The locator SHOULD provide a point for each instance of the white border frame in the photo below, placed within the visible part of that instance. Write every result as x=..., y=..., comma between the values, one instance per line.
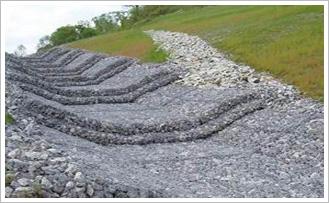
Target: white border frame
x=3, y=23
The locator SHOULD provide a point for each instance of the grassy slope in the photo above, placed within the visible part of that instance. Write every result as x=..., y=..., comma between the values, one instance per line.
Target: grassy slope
x=128, y=43
x=286, y=41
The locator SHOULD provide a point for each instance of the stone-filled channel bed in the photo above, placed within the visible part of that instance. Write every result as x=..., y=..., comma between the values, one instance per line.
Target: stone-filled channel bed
x=114, y=127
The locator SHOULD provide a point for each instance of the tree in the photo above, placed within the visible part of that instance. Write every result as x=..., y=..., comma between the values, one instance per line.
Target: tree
x=85, y=30
x=20, y=51
x=64, y=35
x=121, y=17
x=105, y=23
x=135, y=13
x=44, y=43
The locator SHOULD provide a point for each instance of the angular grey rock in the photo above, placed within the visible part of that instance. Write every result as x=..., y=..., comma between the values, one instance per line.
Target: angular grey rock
x=36, y=155
x=50, y=170
x=17, y=165
x=69, y=185
x=8, y=191
x=80, y=191
x=71, y=169
x=16, y=138
x=54, y=151
x=41, y=146
x=14, y=154
x=24, y=182
x=46, y=183
x=79, y=177
x=57, y=160
x=37, y=179
x=90, y=190
x=253, y=79
x=23, y=192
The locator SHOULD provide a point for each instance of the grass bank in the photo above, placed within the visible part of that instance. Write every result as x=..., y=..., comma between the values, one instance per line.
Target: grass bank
x=286, y=41
x=132, y=43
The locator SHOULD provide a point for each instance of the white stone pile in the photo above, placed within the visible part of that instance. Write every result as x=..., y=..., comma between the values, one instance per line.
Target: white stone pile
x=206, y=66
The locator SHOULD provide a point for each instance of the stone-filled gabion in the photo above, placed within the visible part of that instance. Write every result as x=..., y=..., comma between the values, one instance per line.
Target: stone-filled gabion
x=199, y=125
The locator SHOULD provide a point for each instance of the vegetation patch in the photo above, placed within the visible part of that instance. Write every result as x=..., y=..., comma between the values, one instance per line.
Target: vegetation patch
x=9, y=119
x=9, y=178
x=156, y=55
x=286, y=41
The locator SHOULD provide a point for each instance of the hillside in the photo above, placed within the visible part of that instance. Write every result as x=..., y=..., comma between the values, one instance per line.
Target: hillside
x=286, y=41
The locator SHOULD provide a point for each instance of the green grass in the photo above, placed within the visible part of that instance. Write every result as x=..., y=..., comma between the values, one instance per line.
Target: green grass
x=133, y=43
x=286, y=41
x=9, y=119
x=155, y=55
